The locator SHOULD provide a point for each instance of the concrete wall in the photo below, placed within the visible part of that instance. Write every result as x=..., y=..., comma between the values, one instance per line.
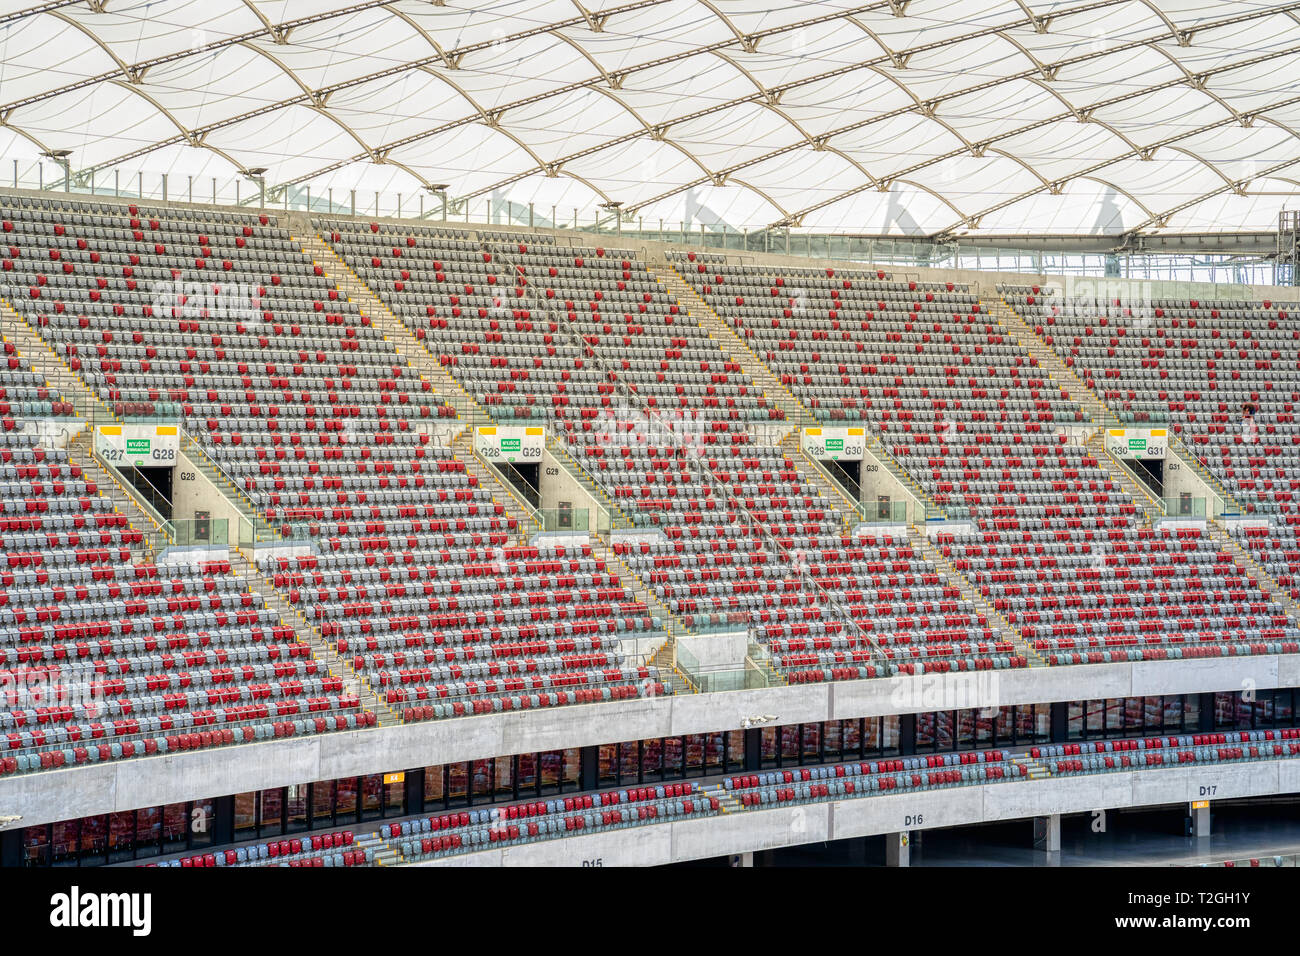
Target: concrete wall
x=878, y=481
x=149, y=781
x=717, y=650
x=558, y=485
x=198, y=493
x=706, y=837
x=1181, y=477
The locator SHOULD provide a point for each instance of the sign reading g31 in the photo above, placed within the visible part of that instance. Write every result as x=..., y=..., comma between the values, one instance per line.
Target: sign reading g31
x=1137, y=442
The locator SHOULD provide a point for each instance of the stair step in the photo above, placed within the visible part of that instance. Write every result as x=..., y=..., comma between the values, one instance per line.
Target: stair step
x=334, y=663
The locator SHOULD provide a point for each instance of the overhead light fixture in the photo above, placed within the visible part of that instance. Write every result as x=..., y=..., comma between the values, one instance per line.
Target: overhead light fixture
x=60, y=156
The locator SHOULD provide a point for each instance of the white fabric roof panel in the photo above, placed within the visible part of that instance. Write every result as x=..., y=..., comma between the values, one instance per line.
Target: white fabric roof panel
x=908, y=117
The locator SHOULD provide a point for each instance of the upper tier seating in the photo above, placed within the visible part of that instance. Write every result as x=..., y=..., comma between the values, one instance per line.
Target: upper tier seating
x=220, y=319
x=587, y=340
x=1057, y=548
x=105, y=655
x=1195, y=364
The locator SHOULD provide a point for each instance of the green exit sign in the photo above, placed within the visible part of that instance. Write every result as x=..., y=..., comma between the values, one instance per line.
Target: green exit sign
x=1137, y=444
x=137, y=446
x=510, y=444
x=835, y=444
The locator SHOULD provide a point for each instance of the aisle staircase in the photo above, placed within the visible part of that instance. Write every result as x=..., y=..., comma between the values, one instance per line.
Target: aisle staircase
x=954, y=578
x=46, y=362
x=411, y=350
x=1069, y=382
x=526, y=517
x=321, y=649
x=813, y=476
x=1244, y=560
x=665, y=656
x=1034, y=770
x=80, y=452
x=731, y=344
x=1148, y=504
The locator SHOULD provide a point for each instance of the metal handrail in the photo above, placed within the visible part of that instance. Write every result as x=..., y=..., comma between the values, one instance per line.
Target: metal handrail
x=707, y=477
x=533, y=512
x=807, y=418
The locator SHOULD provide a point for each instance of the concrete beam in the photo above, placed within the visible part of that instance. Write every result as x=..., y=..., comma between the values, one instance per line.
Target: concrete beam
x=755, y=830
x=172, y=778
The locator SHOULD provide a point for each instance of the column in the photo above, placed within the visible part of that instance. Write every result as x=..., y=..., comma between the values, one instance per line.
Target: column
x=898, y=849
x=907, y=735
x=589, y=768
x=1058, y=717
x=413, y=796
x=1047, y=833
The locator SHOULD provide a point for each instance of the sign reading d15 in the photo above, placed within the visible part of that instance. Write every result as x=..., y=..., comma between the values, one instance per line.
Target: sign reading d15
x=140, y=446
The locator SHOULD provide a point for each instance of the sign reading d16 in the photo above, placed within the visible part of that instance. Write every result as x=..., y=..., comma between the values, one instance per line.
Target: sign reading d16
x=840, y=444
x=140, y=446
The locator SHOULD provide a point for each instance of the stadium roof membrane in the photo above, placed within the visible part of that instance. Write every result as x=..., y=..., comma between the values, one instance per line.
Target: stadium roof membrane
x=933, y=118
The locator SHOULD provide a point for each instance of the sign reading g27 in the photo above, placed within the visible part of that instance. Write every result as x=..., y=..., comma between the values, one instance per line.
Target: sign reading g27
x=144, y=446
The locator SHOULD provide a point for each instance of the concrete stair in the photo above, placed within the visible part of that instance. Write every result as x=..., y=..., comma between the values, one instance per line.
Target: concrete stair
x=123, y=497
x=417, y=356
x=1069, y=382
x=1244, y=560
x=1060, y=374
x=321, y=649
x=814, y=477
x=515, y=506
x=731, y=344
x=1150, y=507
x=91, y=409
x=411, y=350
x=768, y=669
x=727, y=801
x=738, y=351
x=385, y=853
x=665, y=657
x=954, y=578
x=1034, y=769
x=46, y=361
